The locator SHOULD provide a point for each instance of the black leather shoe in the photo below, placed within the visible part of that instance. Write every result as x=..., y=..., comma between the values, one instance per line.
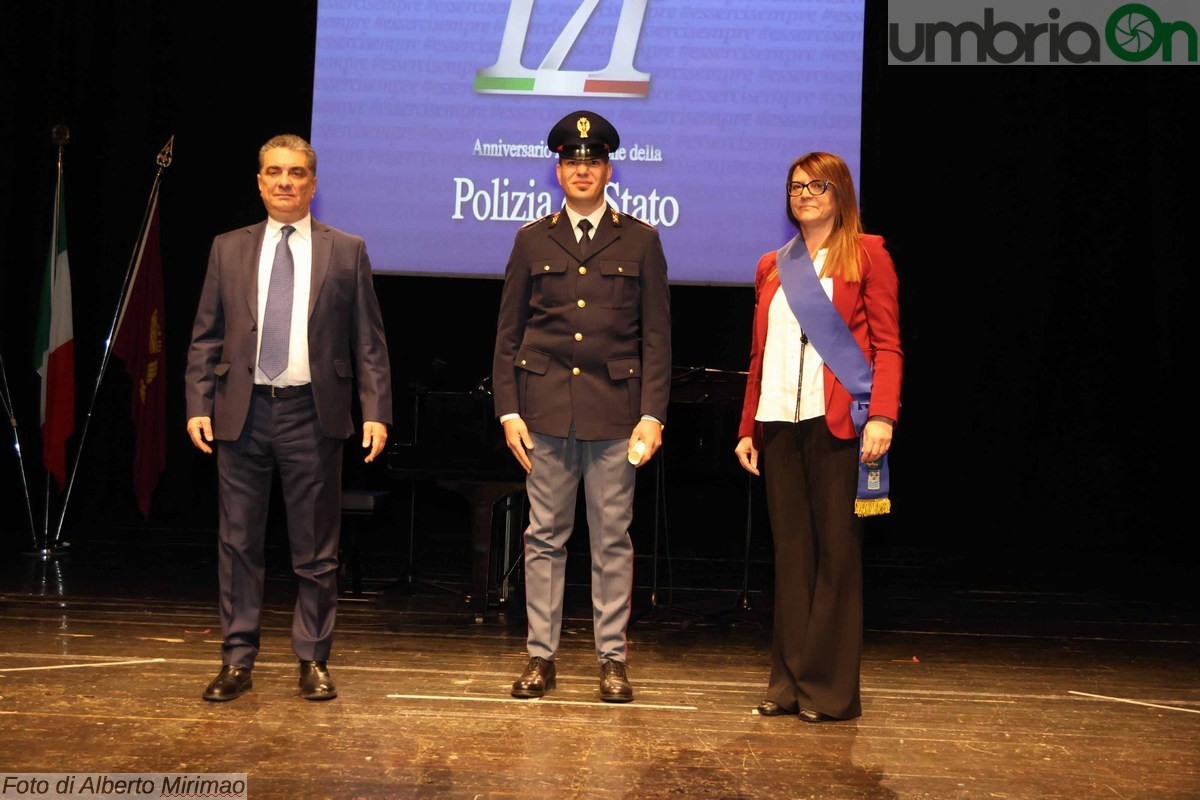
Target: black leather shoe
x=315, y=683
x=768, y=708
x=536, y=680
x=231, y=683
x=614, y=683
x=815, y=716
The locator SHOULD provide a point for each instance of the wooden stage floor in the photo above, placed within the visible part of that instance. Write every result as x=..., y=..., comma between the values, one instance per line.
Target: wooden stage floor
x=987, y=687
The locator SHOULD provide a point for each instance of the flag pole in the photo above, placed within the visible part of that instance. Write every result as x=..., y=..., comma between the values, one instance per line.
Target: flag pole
x=60, y=135
x=163, y=160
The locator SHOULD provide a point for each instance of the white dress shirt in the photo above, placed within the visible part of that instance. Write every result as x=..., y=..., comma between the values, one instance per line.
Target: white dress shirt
x=594, y=218
x=300, y=243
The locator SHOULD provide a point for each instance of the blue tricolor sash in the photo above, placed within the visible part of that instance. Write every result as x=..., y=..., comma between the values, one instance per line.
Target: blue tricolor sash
x=830, y=335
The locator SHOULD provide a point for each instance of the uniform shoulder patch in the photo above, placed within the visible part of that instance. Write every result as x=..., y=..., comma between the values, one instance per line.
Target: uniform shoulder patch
x=631, y=217
x=552, y=217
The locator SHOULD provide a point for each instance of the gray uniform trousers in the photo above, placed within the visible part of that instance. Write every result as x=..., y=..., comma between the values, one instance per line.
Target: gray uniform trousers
x=552, y=487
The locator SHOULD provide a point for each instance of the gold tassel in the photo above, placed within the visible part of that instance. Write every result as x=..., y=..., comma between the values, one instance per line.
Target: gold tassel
x=873, y=507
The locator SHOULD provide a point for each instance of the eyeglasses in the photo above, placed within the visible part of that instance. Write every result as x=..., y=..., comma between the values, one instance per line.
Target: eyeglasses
x=576, y=163
x=815, y=188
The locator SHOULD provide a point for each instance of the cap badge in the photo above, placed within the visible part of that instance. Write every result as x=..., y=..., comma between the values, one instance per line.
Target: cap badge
x=584, y=125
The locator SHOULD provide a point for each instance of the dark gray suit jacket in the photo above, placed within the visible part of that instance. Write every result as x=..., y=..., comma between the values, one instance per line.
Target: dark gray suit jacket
x=346, y=343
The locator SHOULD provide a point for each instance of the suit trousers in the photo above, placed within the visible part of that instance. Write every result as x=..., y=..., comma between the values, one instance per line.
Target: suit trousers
x=811, y=479
x=281, y=433
x=552, y=487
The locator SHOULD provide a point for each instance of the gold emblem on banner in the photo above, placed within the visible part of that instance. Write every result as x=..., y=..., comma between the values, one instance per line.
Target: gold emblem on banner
x=873, y=476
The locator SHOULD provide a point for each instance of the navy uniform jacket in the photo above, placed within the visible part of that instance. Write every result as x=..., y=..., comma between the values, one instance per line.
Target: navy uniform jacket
x=584, y=343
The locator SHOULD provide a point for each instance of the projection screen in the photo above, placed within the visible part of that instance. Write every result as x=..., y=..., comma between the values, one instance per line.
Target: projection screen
x=430, y=120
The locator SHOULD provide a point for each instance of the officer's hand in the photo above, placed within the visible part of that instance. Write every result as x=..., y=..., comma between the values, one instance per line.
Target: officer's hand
x=649, y=433
x=516, y=434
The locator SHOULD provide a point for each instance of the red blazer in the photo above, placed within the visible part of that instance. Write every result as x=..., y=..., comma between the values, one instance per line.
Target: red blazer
x=871, y=307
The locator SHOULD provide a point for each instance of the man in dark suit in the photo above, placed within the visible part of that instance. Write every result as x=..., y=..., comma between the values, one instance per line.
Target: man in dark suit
x=581, y=379
x=278, y=395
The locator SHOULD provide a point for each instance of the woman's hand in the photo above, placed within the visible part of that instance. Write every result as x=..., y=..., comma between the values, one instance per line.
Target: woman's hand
x=747, y=455
x=876, y=439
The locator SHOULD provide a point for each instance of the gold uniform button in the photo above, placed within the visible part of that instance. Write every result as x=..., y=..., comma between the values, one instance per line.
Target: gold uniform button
x=581, y=304
x=579, y=337
x=620, y=269
x=546, y=268
x=631, y=370
x=582, y=269
x=523, y=362
x=574, y=370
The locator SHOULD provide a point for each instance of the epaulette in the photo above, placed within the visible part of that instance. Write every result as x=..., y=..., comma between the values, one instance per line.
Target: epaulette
x=641, y=222
x=552, y=217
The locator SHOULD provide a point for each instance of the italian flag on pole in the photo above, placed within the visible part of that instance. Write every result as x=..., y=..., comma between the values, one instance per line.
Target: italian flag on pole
x=54, y=354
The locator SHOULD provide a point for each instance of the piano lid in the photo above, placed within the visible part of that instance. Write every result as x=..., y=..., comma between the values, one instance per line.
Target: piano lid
x=707, y=385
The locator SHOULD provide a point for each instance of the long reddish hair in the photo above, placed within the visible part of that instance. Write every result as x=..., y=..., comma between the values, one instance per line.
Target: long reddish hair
x=844, y=258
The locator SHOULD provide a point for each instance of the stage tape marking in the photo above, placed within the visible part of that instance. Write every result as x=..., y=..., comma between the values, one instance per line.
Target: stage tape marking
x=537, y=700
x=82, y=666
x=1135, y=702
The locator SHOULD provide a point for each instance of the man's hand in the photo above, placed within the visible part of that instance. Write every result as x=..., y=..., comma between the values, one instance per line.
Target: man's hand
x=516, y=434
x=374, y=437
x=200, y=430
x=649, y=432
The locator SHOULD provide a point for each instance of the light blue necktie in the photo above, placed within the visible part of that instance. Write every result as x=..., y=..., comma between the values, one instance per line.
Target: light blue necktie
x=277, y=318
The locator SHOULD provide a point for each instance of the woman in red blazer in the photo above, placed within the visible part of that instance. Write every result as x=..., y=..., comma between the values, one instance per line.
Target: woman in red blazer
x=796, y=416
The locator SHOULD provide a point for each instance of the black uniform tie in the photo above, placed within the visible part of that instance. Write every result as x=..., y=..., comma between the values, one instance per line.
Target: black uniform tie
x=584, y=240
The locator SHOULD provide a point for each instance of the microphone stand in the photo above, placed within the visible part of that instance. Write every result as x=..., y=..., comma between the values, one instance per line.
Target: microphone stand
x=6, y=400
x=660, y=504
x=163, y=160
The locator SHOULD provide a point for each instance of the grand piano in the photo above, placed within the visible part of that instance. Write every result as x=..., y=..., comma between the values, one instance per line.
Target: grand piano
x=457, y=444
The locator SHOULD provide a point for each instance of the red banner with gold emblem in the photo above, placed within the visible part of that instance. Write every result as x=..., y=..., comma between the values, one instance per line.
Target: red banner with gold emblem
x=139, y=344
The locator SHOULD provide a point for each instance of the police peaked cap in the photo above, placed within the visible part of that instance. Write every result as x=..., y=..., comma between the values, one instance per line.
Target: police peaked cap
x=583, y=134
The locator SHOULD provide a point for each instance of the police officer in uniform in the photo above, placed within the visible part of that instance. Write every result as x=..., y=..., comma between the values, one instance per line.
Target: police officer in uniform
x=581, y=378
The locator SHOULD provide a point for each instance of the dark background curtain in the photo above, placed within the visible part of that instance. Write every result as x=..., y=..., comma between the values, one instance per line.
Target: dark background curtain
x=1037, y=217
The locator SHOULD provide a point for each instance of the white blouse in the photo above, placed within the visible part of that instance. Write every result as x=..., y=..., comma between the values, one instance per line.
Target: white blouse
x=781, y=363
